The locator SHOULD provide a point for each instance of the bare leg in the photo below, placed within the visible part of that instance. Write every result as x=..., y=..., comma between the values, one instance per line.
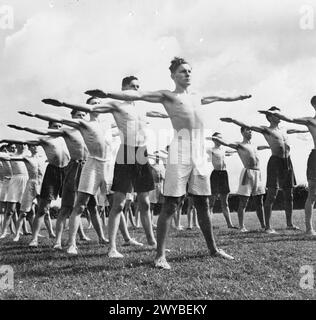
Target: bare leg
x=116, y=214
x=137, y=215
x=288, y=205
x=49, y=225
x=74, y=221
x=144, y=205
x=243, y=200
x=169, y=208
x=225, y=209
x=88, y=217
x=190, y=213
x=2, y=212
x=212, y=200
x=126, y=209
x=60, y=225
x=309, y=205
x=97, y=225
x=19, y=223
x=204, y=217
x=259, y=210
x=195, y=219
x=177, y=215
x=131, y=217
x=26, y=231
x=43, y=209
x=9, y=212
x=271, y=196
x=81, y=233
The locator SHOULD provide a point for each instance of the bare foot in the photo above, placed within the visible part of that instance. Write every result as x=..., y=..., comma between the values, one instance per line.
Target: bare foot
x=161, y=263
x=293, y=227
x=16, y=238
x=270, y=231
x=57, y=246
x=133, y=242
x=243, y=229
x=311, y=233
x=104, y=241
x=4, y=235
x=222, y=254
x=72, y=250
x=85, y=239
x=113, y=253
x=33, y=244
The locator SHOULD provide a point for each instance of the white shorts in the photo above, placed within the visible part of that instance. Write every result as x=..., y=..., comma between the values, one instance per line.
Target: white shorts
x=4, y=189
x=187, y=164
x=16, y=188
x=95, y=174
x=250, y=183
x=31, y=191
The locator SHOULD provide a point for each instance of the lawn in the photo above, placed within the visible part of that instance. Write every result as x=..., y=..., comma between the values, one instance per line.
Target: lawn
x=265, y=266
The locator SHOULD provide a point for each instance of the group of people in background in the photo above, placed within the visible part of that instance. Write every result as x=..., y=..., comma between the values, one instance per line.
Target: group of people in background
x=89, y=174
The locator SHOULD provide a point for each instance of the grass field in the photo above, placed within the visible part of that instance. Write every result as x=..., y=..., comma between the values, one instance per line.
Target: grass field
x=266, y=267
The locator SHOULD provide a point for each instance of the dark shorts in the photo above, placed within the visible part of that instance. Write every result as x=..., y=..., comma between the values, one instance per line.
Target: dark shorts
x=311, y=166
x=132, y=170
x=52, y=183
x=280, y=174
x=71, y=182
x=219, y=182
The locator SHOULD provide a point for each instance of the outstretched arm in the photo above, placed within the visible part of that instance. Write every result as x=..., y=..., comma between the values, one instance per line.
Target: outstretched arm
x=291, y=131
x=156, y=114
x=211, y=99
x=242, y=124
x=263, y=147
x=15, y=141
x=35, y=131
x=303, y=121
x=225, y=143
x=130, y=95
x=101, y=108
x=9, y=158
x=44, y=117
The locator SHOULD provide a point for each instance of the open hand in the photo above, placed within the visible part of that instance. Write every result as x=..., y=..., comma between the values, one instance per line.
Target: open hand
x=226, y=119
x=13, y=126
x=27, y=113
x=53, y=102
x=245, y=97
x=96, y=93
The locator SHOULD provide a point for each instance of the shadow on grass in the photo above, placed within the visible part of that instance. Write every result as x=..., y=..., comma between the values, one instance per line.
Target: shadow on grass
x=87, y=266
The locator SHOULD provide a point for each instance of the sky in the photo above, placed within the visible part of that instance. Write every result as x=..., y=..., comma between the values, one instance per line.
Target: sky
x=62, y=48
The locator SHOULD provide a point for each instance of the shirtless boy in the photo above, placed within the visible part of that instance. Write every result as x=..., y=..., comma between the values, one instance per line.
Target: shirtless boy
x=183, y=109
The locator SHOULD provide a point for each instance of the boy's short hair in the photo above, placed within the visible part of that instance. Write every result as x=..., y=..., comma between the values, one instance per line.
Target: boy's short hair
x=127, y=80
x=175, y=63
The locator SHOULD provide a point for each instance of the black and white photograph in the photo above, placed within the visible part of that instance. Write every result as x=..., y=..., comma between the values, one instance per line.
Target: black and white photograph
x=157, y=155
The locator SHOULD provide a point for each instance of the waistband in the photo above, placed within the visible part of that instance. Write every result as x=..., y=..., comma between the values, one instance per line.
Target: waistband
x=77, y=161
x=98, y=159
x=252, y=169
